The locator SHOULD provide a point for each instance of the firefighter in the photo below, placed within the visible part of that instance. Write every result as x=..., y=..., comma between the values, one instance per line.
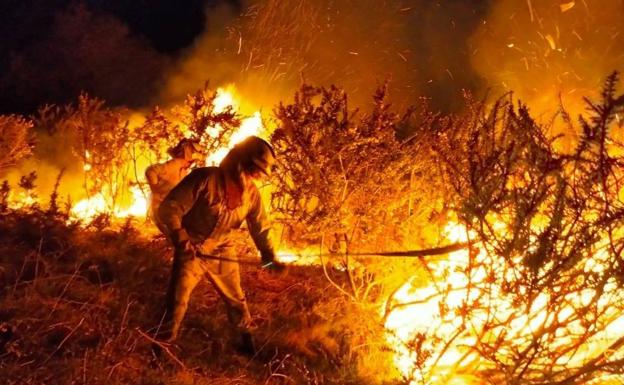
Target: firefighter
x=200, y=214
x=163, y=177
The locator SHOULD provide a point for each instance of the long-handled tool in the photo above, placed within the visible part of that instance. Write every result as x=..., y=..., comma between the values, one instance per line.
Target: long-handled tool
x=406, y=253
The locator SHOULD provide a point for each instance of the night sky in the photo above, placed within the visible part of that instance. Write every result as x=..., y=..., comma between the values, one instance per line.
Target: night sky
x=115, y=49
x=140, y=53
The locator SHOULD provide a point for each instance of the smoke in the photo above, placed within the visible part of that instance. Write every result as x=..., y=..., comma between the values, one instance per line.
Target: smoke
x=54, y=52
x=51, y=155
x=208, y=59
x=419, y=47
x=543, y=49
x=431, y=49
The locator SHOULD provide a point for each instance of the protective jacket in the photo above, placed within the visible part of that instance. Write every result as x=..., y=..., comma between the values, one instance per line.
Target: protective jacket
x=198, y=206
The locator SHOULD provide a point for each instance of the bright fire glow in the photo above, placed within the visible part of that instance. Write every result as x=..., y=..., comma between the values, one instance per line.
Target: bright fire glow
x=426, y=313
x=87, y=166
x=302, y=257
x=89, y=208
x=251, y=125
x=101, y=203
x=21, y=200
x=98, y=204
x=139, y=205
x=418, y=312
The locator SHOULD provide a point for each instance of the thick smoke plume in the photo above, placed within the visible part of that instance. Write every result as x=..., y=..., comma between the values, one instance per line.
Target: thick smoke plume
x=543, y=49
x=419, y=47
x=538, y=49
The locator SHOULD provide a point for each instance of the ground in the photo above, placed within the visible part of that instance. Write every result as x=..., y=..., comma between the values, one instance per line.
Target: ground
x=80, y=305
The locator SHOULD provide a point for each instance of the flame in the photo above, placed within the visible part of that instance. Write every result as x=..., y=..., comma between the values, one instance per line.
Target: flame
x=89, y=208
x=87, y=166
x=225, y=98
x=133, y=201
x=137, y=204
x=300, y=257
x=21, y=200
x=417, y=311
x=251, y=125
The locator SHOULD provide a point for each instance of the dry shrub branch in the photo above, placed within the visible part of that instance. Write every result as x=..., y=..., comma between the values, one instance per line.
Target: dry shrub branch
x=16, y=140
x=352, y=181
x=344, y=177
x=543, y=289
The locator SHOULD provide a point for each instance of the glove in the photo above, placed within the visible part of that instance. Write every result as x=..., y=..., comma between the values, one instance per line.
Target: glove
x=179, y=238
x=274, y=267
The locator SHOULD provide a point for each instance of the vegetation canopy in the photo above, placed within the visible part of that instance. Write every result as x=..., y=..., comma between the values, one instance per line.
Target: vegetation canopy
x=535, y=298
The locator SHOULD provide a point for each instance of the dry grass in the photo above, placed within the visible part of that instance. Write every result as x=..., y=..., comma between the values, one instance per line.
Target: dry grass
x=79, y=305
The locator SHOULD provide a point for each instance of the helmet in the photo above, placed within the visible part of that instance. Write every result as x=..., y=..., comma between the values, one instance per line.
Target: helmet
x=256, y=154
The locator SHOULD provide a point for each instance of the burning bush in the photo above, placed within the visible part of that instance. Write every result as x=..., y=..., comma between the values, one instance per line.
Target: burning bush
x=538, y=297
x=101, y=136
x=110, y=148
x=344, y=174
x=348, y=183
x=535, y=299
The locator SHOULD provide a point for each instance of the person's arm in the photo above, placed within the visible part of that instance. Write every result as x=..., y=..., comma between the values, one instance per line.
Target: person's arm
x=179, y=201
x=260, y=229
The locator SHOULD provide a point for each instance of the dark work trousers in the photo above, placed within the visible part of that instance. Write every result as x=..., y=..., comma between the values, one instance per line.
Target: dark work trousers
x=218, y=263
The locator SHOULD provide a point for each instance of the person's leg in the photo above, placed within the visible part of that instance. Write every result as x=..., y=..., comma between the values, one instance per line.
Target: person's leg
x=227, y=283
x=185, y=274
x=226, y=280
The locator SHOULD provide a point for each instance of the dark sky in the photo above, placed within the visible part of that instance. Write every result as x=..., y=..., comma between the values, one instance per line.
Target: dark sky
x=169, y=25
x=116, y=49
x=140, y=52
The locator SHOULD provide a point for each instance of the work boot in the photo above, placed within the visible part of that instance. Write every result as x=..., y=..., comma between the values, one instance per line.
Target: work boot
x=246, y=346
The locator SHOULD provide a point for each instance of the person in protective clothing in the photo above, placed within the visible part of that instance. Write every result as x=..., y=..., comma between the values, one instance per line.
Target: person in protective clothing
x=199, y=215
x=163, y=177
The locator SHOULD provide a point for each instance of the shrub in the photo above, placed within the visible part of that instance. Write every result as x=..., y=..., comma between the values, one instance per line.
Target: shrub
x=16, y=140
x=542, y=288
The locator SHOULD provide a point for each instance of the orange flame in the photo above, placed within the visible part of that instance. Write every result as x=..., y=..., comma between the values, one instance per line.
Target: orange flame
x=417, y=310
x=100, y=203
x=251, y=125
